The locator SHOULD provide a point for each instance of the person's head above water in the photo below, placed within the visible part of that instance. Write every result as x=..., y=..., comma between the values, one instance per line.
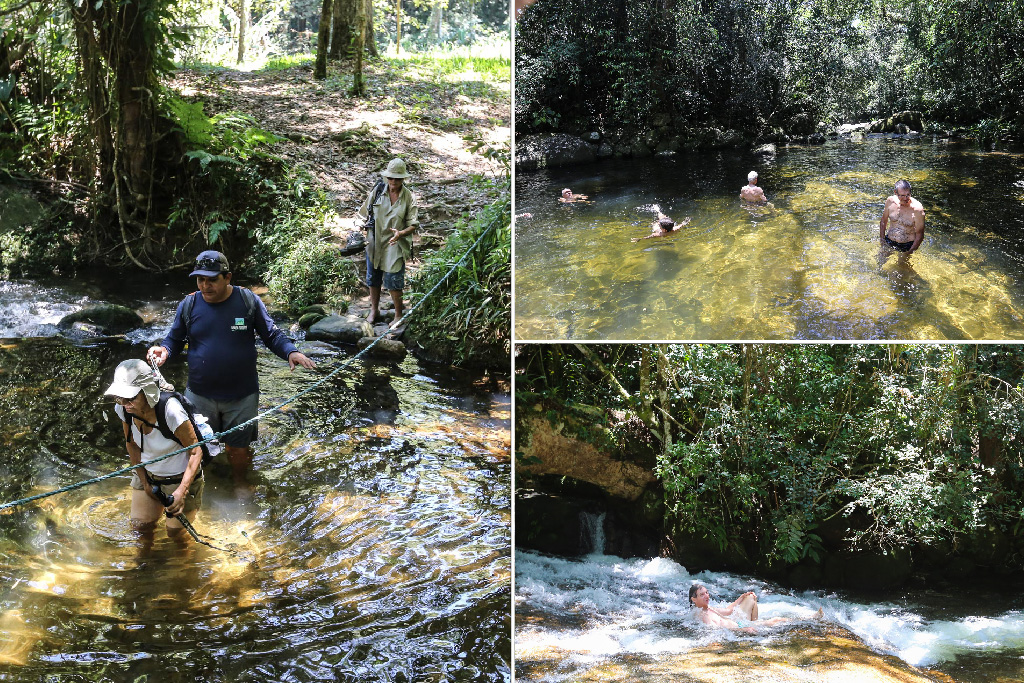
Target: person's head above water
x=699, y=596
x=567, y=193
x=666, y=224
x=752, y=177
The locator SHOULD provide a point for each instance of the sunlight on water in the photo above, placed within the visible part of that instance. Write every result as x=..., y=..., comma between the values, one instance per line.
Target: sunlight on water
x=807, y=267
x=587, y=612
x=375, y=544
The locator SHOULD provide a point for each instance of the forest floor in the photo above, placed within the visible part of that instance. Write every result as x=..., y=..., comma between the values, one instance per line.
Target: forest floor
x=428, y=111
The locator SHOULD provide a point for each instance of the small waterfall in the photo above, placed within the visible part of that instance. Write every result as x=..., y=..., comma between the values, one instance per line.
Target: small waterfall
x=592, y=533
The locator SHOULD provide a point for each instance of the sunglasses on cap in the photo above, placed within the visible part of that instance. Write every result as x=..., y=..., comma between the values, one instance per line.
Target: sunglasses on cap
x=208, y=263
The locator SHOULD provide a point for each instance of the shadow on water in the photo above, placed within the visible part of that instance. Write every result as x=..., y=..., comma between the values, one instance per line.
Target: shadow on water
x=806, y=268
x=376, y=545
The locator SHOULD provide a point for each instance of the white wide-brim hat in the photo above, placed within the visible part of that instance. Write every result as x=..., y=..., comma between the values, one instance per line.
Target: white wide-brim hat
x=395, y=169
x=131, y=377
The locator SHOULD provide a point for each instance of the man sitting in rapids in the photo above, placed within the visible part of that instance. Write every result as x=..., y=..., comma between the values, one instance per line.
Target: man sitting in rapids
x=743, y=611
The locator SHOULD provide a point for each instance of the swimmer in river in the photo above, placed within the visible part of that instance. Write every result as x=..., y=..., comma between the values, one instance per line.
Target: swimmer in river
x=743, y=609
x=902, y=225
x=568, y=197
x=661, y=227
x=751, y=193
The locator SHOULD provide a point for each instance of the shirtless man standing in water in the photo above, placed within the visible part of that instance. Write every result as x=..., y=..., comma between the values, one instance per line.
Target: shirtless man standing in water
x=904, y=217
x=751, y=192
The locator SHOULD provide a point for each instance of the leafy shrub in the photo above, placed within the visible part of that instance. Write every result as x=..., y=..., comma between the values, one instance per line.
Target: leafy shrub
x=311, y=273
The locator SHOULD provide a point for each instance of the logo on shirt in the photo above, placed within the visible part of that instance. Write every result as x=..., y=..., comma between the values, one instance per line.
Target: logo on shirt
x=239, y=325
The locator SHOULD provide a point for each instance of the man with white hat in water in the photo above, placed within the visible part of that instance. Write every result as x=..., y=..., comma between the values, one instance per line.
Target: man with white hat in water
x=389, y=225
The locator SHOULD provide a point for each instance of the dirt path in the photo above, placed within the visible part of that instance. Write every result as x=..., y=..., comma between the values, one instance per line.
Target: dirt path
x=344, y=142
x=414, y=110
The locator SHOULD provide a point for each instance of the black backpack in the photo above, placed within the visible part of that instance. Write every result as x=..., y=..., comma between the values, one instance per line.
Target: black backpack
x=371, y=220
x=161, y=422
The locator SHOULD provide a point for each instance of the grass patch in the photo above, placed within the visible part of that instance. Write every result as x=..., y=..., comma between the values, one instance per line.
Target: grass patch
x=283, y=62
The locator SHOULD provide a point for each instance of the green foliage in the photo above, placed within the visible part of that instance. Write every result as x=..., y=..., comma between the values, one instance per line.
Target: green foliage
x=794, y=450
x=759, y=65
x=311, y=273
x=469, y=315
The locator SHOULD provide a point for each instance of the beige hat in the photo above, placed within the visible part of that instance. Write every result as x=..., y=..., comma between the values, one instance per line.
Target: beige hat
x=395, y=169
x=131, y=377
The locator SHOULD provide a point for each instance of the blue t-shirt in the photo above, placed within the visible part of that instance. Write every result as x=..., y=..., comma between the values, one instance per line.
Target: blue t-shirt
x=222, y=345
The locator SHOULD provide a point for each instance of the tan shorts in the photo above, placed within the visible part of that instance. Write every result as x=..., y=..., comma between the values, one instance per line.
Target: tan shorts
x=194, y=497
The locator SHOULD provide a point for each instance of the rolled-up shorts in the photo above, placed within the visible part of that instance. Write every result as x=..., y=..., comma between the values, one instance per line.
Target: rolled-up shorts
x=899, y=246
x=194, y=497
x=224, y=415
x=375, y=277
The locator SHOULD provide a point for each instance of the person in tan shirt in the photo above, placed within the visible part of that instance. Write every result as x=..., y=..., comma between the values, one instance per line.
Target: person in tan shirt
x=389, y=238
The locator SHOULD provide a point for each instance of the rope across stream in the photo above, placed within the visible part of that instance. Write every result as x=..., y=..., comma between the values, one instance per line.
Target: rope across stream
x=291, y=399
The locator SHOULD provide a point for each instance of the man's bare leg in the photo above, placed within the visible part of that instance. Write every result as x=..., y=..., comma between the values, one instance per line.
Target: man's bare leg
x=241, y=461
x=396, y=296
x=374, y=305
x=748, y=605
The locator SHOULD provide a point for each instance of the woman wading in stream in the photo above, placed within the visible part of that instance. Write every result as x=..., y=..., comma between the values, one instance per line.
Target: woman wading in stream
x=137, y=393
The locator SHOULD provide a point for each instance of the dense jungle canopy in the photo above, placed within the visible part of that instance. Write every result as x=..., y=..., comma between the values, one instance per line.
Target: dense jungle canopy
x=766, y=66
x=786, y=452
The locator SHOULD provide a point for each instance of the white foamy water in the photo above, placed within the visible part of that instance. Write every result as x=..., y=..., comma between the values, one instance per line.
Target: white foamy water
x=606, y=606
x=29, y=310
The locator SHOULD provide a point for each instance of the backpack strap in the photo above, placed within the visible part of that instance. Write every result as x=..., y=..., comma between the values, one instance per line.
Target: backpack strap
x=247, y=297
x=371, y=220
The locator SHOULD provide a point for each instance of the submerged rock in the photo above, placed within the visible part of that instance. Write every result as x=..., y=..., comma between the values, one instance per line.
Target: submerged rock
x=102, y=319
x=335, y=328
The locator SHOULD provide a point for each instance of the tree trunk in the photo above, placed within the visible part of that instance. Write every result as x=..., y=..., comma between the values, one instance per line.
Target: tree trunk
x=435, y=23
x=360, y=32
x=398, y=27
x=371, y=37
x=320, y=70
x=243, y=26
x=345, y=12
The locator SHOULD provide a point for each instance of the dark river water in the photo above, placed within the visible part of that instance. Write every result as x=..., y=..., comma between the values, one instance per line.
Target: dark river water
x=375, y=545
x=807, y=268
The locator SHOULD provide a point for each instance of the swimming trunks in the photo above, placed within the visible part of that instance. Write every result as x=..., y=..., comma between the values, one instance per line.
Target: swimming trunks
x=899, y=246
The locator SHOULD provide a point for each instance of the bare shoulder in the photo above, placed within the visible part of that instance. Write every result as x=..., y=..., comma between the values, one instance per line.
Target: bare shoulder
x=916, y=205
x=890, y=200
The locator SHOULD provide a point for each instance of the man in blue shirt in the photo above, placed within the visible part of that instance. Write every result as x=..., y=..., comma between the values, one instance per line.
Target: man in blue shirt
x=220, y=322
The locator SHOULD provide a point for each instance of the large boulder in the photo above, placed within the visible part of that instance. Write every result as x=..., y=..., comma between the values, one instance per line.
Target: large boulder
x=534, y=152
x=103, y=318
x=336, y=328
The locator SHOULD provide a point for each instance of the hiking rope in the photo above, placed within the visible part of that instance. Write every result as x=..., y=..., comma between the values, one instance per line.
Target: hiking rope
x=344, y=364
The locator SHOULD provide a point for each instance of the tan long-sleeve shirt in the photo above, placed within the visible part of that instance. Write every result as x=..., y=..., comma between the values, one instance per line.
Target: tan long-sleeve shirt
x=401, y=215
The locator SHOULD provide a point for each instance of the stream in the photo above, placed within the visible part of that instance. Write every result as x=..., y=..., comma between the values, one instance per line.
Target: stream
x=375, y=544
x=602, y=608
x=806, y=268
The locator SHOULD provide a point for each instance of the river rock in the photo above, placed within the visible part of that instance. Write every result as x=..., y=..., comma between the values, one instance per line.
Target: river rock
x=386, y=348
x=816, y=138
x=335, y=328
x=605, y=151
x=639, y=149
x=593, y=136
x=103, y=319
x=535, y=152
x=309, y=319
x=850, y=128
x=766, y=149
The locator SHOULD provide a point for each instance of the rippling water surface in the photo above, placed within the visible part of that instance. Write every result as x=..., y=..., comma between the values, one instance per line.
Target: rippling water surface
x=375, y=545
x=808, y=268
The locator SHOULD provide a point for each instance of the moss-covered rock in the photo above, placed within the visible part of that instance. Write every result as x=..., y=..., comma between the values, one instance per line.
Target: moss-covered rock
x=106, y=319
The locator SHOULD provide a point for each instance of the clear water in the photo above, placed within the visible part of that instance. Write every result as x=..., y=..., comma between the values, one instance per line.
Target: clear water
x=375, y=546
x=808, y=268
